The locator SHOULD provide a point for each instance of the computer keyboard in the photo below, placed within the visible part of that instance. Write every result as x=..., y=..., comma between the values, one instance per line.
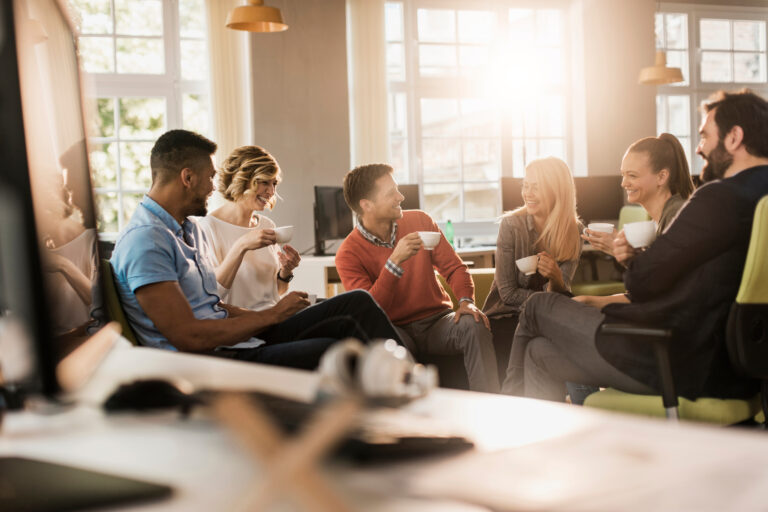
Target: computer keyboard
x=381, y=435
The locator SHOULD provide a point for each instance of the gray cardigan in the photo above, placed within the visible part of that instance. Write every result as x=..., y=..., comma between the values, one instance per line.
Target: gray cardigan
x=517, y=236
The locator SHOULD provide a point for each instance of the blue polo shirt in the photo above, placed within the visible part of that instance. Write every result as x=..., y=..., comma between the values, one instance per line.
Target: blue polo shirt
x=154, y=248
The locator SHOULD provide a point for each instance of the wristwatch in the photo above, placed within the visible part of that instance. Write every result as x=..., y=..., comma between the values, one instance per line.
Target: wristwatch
x=284, y=279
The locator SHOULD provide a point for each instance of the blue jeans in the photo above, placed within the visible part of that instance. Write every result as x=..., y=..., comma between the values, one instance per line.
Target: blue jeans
x=301, y=340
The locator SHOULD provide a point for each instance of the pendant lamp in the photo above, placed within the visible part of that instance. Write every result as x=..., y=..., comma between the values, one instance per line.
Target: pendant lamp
x=256, y=17
x=660, y=73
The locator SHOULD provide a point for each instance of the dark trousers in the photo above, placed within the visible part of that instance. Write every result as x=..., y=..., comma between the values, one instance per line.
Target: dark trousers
x=301, y=340
x=503, y=330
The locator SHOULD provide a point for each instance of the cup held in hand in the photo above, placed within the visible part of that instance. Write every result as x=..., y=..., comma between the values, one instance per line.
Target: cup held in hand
x=640, y=234
x=528, y=265
x=283, y=234
x=430, y=239
x=601, y=227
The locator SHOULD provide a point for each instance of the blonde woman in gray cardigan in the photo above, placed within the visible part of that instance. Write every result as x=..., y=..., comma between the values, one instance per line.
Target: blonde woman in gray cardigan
x=548, y=226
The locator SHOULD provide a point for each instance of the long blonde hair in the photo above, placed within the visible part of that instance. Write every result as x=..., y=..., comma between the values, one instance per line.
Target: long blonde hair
x=560, y=236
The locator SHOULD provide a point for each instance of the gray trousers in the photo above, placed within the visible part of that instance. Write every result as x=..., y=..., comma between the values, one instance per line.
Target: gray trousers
x=438, y=334
x=554, y=343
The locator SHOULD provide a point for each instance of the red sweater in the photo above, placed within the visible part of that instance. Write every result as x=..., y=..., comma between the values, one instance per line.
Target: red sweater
x=418, y=293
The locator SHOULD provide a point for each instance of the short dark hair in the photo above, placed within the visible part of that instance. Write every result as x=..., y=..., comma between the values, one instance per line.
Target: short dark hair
x=360, y=182
x=746, y=109
x=176, y=150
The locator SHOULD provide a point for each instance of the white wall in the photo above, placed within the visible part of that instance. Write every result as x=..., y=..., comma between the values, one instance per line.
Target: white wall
x=301, y=111
x=300, y=105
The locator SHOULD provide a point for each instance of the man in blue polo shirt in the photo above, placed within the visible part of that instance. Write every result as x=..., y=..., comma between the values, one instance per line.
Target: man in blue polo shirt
x=167, y=284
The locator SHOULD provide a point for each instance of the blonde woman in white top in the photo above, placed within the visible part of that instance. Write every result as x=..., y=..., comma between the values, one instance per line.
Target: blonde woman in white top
x=251, y=269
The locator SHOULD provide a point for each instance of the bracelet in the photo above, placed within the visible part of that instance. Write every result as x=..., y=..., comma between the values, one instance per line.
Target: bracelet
x=284, y=279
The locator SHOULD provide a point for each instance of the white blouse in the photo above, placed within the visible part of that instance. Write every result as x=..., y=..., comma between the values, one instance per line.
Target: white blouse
x=255, y=284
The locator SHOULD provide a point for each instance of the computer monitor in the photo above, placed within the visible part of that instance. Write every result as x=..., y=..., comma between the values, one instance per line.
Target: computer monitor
x=411, y=194
x=598, y=197
x=49, y=269
x=511, y=193
x=333, y=218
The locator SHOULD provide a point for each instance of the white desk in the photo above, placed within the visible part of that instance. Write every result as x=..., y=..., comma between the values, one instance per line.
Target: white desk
x=318, y=274
x=553, y=456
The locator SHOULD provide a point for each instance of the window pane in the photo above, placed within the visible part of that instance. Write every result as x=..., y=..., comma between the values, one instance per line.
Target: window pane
x=531, y=151
x=749, y=35
x=130, y=202
x=551, y=116
x=140, y=56
x=96, y=54
x=102, y=122
x=521, y=26
x=679, y=59
x=479, y=118
x=679, y=115
x=442, y=201
x=518, y=158
x=440, y=159
x=398, y=158
x=106, y=205
x=677, y=31
x=659, y=29
x=481, y=160
x=142, y=118
x=715, y=34
x=549, y=30
x=749, y=67
x=103, y=159
x=393, y=19
x=661, y=114
x=548, y=66
x=439, y=117
x=192, y=18
x=476, y=26
x=437, y=60
x=93, y=16
x=716, y=67
x=481, y=200
x=552, y=147
x=436, y=25
x=686, y=143
x=395, y=61
x=142, y=18
x=473, y=59
x=195, y=112
x=194, y=60
x=134, y=165
x=398, y=121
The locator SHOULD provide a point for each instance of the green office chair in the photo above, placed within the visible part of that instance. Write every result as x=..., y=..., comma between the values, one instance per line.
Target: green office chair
x=112, y=302
x=628, y=213
x=746, y=339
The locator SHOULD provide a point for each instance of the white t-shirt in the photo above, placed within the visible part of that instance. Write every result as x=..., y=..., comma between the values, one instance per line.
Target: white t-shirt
x=255, y=284
x=69, y=311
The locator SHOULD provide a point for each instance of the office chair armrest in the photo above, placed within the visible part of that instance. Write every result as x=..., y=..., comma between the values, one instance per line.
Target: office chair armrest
x=659, y=338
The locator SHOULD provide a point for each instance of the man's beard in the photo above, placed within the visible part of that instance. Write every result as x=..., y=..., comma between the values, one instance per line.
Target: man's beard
x=718, y=162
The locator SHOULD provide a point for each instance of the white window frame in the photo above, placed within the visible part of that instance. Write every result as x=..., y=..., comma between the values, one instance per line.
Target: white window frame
x=416, y=87
x=699, y=91
x=169, y=85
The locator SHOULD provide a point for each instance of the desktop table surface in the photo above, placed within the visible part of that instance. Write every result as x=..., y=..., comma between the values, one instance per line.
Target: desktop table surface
x=530, y=454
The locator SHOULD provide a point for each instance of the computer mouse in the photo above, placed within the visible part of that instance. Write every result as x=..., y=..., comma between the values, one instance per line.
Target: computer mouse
x=151, y=394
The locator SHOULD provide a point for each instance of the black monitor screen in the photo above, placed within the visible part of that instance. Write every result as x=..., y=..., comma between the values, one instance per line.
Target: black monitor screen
x=333, y=218
x=49, y=262
x=599, y=197
x=411, y=194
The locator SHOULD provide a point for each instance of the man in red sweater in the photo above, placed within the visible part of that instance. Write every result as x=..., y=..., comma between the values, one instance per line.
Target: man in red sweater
x=385, y=256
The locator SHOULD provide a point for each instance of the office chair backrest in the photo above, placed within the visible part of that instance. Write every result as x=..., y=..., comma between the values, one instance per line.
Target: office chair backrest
x=632, y=213
x=747, y=336
x=112, y=301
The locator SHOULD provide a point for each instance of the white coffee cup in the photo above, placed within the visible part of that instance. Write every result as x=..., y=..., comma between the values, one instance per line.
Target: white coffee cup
x=284, y=234
x=640, y=234
x=312, y=298
x=528, y=265
x=430, y=239
x=601, y=227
